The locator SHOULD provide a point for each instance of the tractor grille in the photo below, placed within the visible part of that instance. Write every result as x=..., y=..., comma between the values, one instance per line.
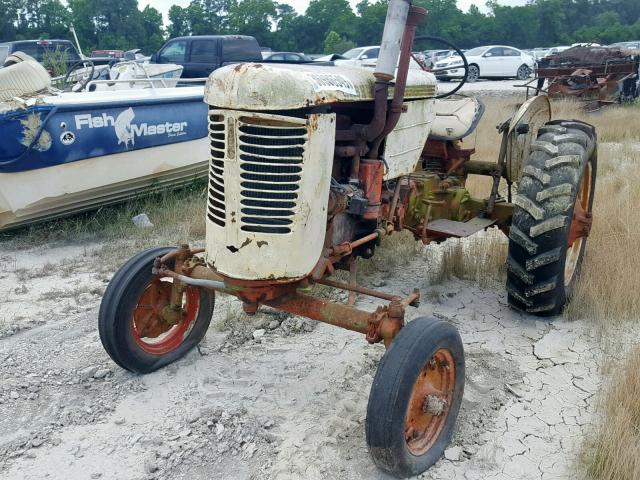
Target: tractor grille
x=216, y=210
x=270, y=155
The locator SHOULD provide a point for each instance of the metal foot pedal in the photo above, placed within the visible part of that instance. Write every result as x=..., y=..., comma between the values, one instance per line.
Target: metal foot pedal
x=451, y=228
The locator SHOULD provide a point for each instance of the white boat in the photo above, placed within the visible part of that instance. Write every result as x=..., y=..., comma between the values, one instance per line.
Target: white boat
x=64, y=152
x=121, y=76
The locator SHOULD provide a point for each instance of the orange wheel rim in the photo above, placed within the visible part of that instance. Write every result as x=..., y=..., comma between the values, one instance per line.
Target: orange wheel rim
x=150, y=332
x=430, y=402
x=580, y=225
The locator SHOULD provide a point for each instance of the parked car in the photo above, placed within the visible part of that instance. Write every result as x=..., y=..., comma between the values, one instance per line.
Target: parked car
x=38, y=49
x=491, y=61
x=200, y=55
x=362, y=57
x=628, y=45
x=286, y=57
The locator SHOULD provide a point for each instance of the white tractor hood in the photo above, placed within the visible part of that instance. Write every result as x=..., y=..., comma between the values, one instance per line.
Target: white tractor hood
x=261, y=86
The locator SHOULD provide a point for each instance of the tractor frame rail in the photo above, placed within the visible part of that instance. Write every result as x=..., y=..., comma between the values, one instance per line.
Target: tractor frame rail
x=383, y=324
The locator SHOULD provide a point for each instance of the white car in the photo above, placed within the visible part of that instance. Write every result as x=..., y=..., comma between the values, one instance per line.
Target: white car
x=492, y=61
x=366, y=57
x=361, y=56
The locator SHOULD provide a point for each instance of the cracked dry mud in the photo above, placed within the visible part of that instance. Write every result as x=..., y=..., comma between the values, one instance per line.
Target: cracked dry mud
x=290, y=404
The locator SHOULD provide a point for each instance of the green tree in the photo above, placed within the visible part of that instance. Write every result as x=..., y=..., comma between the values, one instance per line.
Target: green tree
x=8, y=20
x=331, y=42
x=179, y=25
x=208, y=17
x=323, y=16
x=153, y=31
x=252, y=17
x=334, y=43
x=370, y=22
x=284, y=36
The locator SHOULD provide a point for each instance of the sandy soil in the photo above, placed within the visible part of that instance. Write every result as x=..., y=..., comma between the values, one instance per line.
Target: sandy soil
x=288, y=405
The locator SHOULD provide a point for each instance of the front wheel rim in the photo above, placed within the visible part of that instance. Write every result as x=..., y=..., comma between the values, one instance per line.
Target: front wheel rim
x=580, y=226
x=430, y=402
x=148, y=329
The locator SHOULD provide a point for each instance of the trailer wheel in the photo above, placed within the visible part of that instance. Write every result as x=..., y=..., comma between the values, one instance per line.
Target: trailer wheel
x=131, y=329
x=415, y=397
x=552, y=217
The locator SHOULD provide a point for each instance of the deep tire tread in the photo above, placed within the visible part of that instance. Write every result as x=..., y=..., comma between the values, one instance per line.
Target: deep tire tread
x=544, y=207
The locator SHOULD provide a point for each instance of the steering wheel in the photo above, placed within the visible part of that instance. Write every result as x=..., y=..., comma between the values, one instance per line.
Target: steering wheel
x=80, y=81
x=465, y=64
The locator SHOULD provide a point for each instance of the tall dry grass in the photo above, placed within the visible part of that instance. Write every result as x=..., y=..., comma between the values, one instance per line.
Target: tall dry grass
x=611, y=450
x=610, y=276
x=480, y=258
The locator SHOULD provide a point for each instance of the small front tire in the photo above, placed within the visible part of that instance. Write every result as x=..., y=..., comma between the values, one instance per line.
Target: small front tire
x=415, y=397
x=131, y=329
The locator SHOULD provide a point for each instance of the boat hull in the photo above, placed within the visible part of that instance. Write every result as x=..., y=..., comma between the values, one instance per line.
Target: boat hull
x=70, y=153
x=43, y=194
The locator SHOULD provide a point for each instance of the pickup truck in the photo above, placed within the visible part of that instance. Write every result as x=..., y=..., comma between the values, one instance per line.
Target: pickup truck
x=38, y=48
x=202, y=54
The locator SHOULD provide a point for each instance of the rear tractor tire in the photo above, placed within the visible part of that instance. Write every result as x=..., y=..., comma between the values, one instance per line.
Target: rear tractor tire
x=415, y=397
x=131, y=329
x=552, y=217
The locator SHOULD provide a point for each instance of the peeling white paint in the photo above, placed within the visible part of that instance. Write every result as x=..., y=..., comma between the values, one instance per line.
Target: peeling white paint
x=256, y=86
x=258, y=255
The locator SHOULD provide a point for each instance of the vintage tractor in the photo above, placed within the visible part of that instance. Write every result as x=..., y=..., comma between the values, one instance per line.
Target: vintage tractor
x=312, y=167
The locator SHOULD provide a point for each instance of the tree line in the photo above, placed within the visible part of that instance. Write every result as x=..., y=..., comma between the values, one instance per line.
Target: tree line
x=329, y=26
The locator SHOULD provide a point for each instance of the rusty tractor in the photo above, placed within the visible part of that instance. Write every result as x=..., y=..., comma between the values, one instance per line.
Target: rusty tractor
x=595, y=75
x=312, y=167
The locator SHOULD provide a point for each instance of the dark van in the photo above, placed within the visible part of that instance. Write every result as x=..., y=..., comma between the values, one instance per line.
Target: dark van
x=200, y=55
x=38, y=48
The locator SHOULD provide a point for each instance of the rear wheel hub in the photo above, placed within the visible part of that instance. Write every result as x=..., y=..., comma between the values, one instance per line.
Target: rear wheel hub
x=580, y=225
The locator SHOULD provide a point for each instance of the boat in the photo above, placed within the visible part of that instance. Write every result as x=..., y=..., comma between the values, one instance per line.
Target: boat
x=120, y=75
x=67, y=152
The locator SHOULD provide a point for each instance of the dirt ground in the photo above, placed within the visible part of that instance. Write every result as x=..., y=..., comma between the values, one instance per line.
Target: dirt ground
x=288, y=405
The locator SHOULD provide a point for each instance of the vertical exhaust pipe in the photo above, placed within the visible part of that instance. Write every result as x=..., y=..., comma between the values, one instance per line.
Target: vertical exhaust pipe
x=416, y=15
x=392, y=35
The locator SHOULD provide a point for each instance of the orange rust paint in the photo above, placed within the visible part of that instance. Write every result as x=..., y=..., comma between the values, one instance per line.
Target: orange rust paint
x=371, y=173
x=582, y=218
x=430, y=400
x=150, y=332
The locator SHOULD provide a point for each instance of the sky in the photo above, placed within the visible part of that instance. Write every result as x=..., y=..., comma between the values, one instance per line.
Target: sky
x=301, y=5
